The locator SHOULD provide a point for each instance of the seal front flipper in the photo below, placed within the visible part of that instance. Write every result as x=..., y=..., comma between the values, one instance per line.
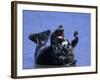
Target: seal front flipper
x=76, y=39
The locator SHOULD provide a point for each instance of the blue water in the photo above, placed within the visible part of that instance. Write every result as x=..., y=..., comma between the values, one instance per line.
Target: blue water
x=37, y=21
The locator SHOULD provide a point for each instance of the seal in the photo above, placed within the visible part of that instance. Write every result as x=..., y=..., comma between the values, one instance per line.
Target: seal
x=61, y=50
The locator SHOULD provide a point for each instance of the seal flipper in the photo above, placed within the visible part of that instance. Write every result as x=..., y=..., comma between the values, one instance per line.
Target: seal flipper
x=75, y=41
x=40, y=38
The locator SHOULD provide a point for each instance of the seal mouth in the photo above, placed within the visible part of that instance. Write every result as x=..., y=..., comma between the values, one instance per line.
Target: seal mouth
x=60, y=32
x=60, y=35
